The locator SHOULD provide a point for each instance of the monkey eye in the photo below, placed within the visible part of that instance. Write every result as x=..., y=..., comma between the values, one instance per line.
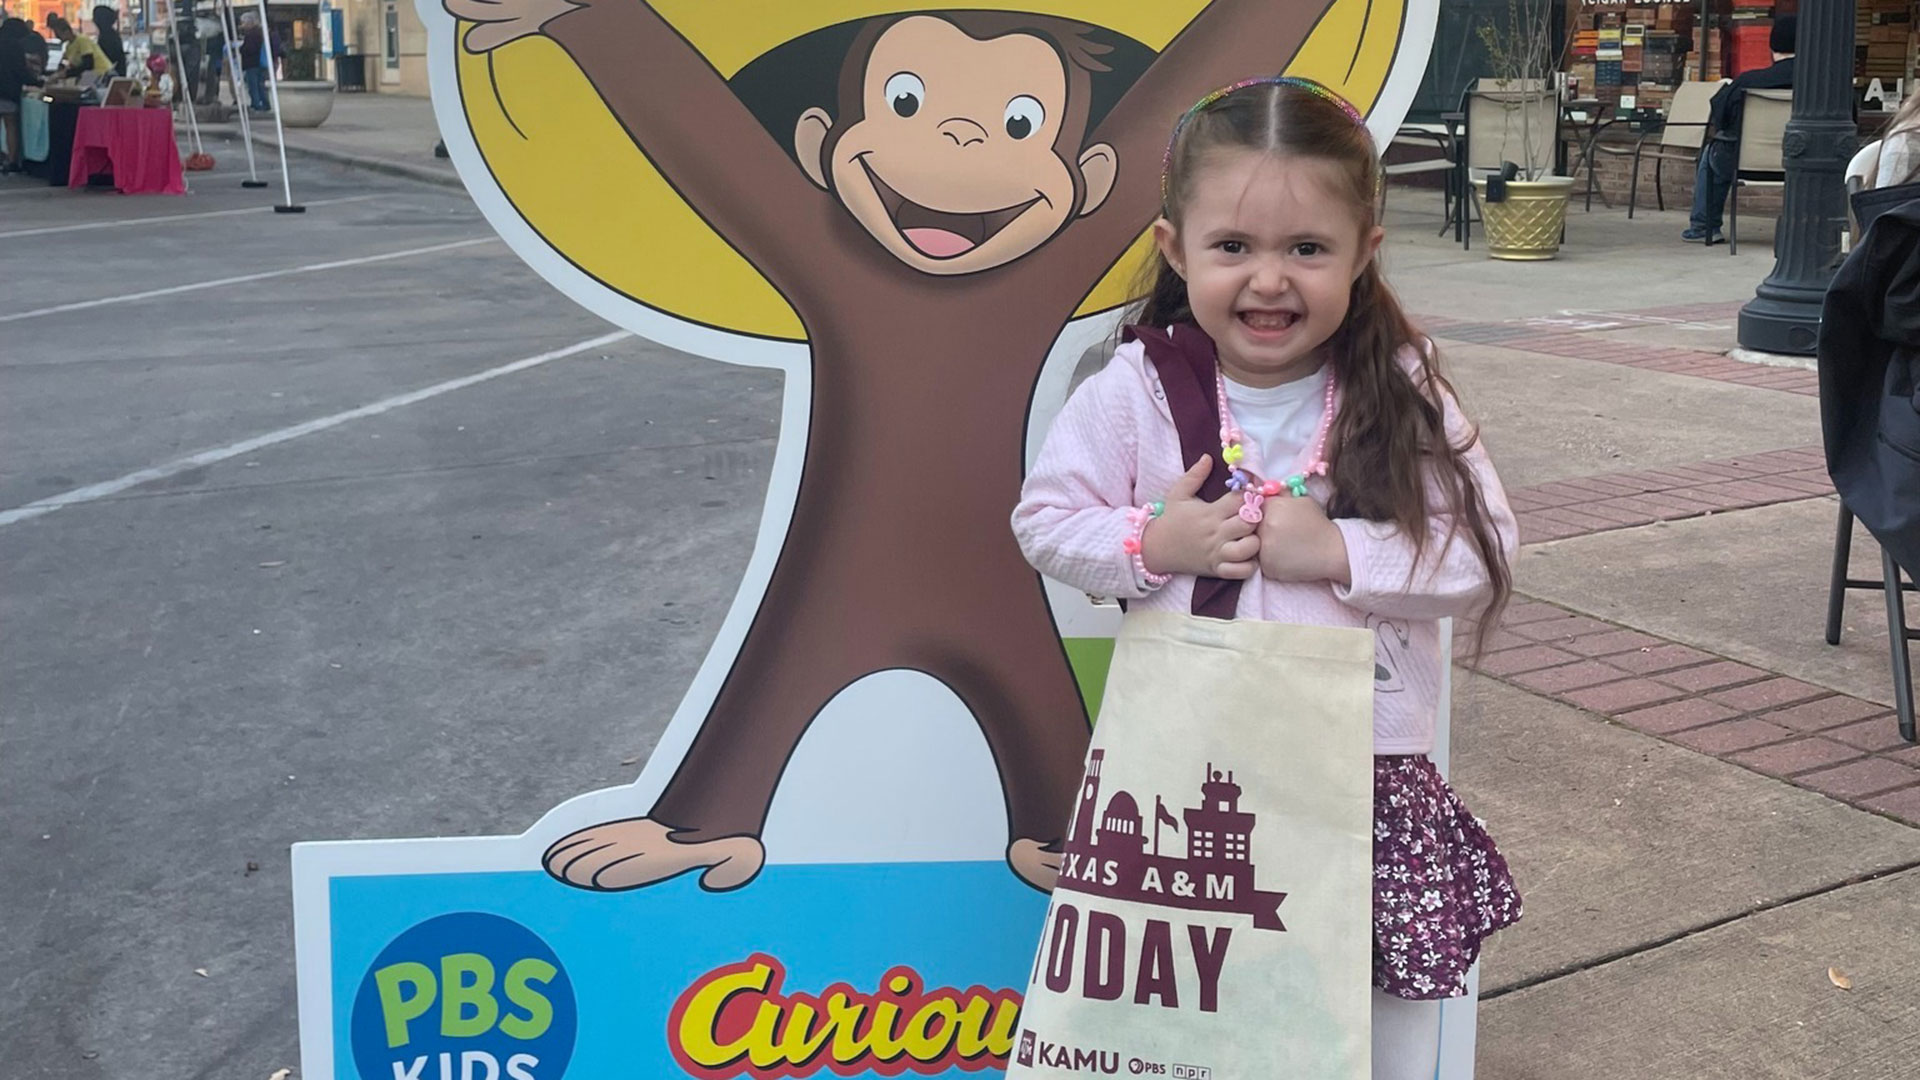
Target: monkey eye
x=905, y=92
x=1024, y=116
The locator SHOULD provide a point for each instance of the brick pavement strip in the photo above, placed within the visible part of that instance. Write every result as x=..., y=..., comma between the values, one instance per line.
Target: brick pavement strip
x=1595, y=346
x=1797, y=756
x=1592, y=504
x=1841, y=746
x=1868, y=776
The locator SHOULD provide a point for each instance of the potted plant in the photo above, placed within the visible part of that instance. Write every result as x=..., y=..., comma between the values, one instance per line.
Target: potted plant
x=306, y=100
x=1526, y=210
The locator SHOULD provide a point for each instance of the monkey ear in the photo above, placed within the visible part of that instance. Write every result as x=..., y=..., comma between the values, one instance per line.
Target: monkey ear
x=1101, y=166
x=810, y=144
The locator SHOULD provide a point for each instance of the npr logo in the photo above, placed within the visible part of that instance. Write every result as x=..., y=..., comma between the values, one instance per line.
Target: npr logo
x=1191, y=1072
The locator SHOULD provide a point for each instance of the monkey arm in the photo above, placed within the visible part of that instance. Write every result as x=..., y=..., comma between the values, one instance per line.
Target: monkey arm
x=685, y=118
x=1229, y=41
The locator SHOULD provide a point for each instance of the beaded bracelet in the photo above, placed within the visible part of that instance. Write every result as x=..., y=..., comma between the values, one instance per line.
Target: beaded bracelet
x=1137, y=518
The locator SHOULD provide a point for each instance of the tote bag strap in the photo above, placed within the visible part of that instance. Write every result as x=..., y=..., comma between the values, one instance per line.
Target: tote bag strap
x=1182, y=355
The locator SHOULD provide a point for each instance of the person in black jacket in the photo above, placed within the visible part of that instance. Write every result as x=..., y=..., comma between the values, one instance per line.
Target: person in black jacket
x=106, y=23
x=16, y=74
x=1869, y=362
x=1714, y=176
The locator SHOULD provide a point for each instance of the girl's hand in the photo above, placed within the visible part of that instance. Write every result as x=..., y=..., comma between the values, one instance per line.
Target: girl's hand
x=1194, y=536
x=1298, y=543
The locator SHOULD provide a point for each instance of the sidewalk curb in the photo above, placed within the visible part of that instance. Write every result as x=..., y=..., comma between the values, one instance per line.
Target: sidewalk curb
x=420, y=173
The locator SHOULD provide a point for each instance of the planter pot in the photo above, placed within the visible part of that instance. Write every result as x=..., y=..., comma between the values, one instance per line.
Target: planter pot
x=306, y=103
x=1526, y=225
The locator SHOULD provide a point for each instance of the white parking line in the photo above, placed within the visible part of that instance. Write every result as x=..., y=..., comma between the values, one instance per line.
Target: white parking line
x=94, y=492
x=310, y=268
x=173, y=217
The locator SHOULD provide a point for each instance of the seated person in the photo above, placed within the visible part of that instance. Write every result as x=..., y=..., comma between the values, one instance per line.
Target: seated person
x=1713, y=179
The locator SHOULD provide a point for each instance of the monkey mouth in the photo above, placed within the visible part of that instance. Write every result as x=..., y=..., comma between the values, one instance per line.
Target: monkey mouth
x=938, y=234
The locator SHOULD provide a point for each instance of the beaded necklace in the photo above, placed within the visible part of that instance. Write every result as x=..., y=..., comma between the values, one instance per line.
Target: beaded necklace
x=1233, y=451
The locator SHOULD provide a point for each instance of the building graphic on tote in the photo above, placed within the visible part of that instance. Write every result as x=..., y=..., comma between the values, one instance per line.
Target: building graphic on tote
x=1107, y=852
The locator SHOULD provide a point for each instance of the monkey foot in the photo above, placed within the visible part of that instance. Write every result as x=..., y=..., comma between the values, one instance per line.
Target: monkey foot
x=628, y=854
x=1036, y=862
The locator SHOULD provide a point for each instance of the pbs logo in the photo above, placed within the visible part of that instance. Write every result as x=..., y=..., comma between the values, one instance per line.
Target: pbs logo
x=467, y=996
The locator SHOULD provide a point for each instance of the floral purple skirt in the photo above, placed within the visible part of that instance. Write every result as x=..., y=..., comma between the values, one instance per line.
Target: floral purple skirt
x=1440, y=887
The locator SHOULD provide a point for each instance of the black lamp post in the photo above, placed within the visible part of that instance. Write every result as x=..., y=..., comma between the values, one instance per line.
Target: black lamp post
x=1784, y=315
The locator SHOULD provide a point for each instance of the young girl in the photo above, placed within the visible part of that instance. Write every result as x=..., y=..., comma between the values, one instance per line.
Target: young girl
x=1360, y=495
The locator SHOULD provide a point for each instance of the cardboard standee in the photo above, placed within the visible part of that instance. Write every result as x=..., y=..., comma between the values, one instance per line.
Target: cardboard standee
x=824, y=866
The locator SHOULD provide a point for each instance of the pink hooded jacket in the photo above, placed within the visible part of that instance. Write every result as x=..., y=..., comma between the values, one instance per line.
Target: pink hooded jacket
x=1114, y=447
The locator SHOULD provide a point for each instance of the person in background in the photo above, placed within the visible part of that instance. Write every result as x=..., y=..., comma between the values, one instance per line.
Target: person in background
x=1713, y=179
x=16, y=74
x=34, y=48
x=106, y=26
x=186, y=36
x=83, y=55
x=253, y=65
x=216, y=50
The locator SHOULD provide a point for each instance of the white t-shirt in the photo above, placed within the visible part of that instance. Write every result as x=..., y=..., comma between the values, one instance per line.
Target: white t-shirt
x=1278, y=421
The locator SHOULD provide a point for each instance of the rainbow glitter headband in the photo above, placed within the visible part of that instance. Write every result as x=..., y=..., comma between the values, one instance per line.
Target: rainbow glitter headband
x=1311, y=87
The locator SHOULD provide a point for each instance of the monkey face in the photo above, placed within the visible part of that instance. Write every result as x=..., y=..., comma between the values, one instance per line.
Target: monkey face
x=953, y=165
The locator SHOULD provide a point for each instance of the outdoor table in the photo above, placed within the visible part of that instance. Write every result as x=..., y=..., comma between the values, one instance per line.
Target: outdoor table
x=135, y=143
x=61, y=116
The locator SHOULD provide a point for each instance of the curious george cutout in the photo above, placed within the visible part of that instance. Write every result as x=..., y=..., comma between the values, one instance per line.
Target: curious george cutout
x=922, y=217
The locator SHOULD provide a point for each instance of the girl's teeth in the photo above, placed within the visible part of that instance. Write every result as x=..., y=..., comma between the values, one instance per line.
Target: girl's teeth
x=1268, y=322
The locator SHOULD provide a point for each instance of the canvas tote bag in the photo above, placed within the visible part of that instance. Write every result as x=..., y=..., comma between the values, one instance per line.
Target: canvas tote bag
x=1213, y=917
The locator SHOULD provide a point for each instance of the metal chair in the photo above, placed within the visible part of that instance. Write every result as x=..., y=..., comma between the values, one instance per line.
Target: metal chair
x=1899, y=637
x=1761, y=164
x=1860, y=173
x=1680, y=138
x=1424, y=135
x=1861, y=170
x=1501, y=124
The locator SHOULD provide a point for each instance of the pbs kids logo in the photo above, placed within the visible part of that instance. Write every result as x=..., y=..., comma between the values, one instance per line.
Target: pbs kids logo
x=464, y=997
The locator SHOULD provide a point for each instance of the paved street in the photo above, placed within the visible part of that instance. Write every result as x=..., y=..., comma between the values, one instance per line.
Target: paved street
x=290, y=552
x=441, y=618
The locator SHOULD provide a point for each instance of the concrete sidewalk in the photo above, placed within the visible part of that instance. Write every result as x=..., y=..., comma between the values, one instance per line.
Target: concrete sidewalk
x=386, y=133
x=1706, y=806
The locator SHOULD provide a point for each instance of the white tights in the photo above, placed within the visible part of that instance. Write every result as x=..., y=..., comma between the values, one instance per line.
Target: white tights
x=1406, y=1038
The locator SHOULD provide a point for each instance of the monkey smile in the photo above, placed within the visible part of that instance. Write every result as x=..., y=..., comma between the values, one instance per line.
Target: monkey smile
x=938, y=234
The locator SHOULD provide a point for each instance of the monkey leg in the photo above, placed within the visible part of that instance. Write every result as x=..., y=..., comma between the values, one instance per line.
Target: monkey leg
x=814, y=634
x=1019, y=686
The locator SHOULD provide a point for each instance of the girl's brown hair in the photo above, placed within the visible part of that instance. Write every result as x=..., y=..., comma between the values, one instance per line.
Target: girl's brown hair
x=1905, y=125
x=1390, y=435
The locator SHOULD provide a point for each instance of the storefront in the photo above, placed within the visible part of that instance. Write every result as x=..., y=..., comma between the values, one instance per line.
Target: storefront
x=389, y=36
x=1630, y=54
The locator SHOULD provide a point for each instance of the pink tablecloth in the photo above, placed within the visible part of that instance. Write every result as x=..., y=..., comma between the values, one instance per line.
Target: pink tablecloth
x=134, y=144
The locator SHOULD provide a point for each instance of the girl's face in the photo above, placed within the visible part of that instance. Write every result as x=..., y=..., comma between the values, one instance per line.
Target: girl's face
x=1269, y=252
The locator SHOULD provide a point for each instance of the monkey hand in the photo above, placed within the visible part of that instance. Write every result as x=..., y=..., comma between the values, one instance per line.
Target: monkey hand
x=499, y=22
x=627, y=854
x=1298, y=543
x=1194, y=536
